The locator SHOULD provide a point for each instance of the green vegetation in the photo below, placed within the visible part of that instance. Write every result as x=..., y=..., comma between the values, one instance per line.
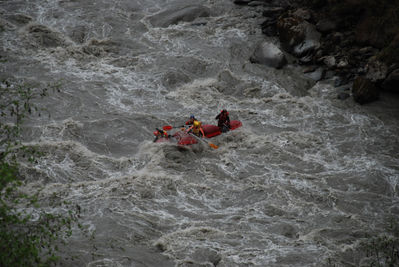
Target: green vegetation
x=29, y=233
x=383, y=250
x=374, y=250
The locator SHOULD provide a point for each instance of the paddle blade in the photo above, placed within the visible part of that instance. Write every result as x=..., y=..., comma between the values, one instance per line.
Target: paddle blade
x=167, y=127
x=213, y=146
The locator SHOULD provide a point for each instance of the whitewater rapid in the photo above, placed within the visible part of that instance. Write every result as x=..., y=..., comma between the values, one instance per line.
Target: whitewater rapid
x=301, y=183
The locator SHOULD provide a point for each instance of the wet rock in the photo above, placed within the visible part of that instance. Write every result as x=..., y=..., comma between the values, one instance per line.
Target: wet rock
x=329, y=61
x=269, y=26
x=329, y=74
x=205, y=255
x=306, y=59
x=298, y=36
x=309, y=69
x=343, y=92
x=200, y=22
x=302, y=13
x=391, y=83
x=364, y=91
x=343, y=95
x=316, y=75
x=376, y=70
x=339, y=81
x=272, y=11
x=366, y=51
x=390, y=54
x=174, y=16
x=343, y=63
x=326, y=26
x=44, y=36
x=268, y=54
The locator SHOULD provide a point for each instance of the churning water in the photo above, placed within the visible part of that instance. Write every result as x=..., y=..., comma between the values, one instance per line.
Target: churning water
x=304, y=178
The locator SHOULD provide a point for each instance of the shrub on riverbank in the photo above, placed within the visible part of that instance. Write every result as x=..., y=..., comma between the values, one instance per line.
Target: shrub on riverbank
x=29, y=233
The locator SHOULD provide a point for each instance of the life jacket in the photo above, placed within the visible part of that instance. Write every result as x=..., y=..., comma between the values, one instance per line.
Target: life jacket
x=196, y=128
x=160, y=133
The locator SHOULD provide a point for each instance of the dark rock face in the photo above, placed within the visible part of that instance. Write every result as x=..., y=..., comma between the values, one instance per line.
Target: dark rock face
x=391, y=83
x=326, y=26
x=272, y=11
x=268, y=54
x=242, y=2
x=174, y=16
x=346, y=39
x=364, y=91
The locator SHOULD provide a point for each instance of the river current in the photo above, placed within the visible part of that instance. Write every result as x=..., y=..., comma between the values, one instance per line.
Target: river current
x=299, y=184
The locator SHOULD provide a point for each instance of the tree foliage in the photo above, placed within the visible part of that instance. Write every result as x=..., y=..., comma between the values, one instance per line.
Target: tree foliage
x=29, y=234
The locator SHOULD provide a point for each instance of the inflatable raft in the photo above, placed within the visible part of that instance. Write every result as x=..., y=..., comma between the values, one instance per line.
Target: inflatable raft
x=184, y=138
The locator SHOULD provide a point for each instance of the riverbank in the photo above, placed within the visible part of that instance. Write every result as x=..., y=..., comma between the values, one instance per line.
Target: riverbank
x=354, y=40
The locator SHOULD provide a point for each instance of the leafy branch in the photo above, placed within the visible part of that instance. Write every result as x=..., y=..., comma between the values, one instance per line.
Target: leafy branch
x=29, y=234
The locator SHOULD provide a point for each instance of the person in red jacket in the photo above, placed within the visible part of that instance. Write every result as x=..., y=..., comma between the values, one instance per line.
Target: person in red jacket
x=223, y=121
x=160, y=134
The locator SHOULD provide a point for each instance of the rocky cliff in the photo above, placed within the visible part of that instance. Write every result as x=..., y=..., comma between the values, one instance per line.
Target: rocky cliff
x=356, y=40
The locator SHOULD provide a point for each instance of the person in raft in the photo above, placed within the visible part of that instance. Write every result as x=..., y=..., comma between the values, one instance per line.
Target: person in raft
x=223, y=121
x=160, y=134
x=196, y=129
x=191, y=120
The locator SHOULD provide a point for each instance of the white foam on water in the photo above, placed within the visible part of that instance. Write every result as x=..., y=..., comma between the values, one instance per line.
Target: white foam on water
x=300, y=167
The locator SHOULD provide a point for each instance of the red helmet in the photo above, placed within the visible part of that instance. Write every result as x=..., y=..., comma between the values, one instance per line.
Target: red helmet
x=155, y=132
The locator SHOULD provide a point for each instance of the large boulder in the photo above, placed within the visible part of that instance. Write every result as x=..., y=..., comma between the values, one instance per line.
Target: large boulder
x=298, y=36
x=391, y=83
x=364, y=91
x=174, y=16
x=268, y=54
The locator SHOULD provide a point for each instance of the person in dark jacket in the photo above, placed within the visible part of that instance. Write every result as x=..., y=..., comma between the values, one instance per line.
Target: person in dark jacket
x=191, y=120
x=223, y=121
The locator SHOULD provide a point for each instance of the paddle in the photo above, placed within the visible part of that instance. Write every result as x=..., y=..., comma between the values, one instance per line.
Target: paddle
x=202, y=140
x=168, y=127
